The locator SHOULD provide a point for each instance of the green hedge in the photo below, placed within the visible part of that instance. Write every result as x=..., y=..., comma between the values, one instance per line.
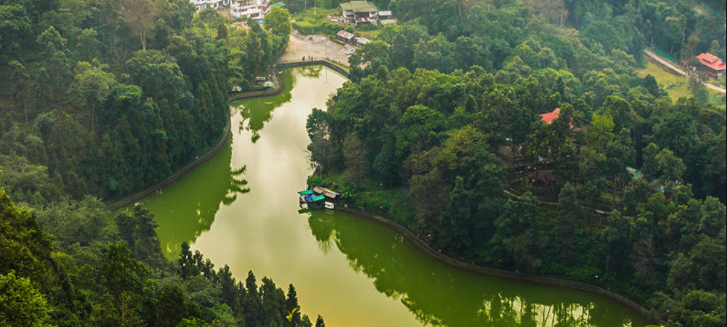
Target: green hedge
x=326, y=28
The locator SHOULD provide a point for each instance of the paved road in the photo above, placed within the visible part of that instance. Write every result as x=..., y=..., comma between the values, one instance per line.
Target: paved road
x=677, y=71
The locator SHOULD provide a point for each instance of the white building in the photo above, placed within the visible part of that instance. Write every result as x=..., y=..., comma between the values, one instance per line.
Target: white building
x=204, y=4
x=255, y=9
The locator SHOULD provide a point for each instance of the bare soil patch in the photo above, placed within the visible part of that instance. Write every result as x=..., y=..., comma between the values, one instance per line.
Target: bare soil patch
x=314, y=46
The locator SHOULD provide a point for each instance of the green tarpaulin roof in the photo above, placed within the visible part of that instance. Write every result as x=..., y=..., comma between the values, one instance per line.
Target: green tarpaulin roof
x=278, y=4
x=317, y=198
x=359, y=6
x=306, y=192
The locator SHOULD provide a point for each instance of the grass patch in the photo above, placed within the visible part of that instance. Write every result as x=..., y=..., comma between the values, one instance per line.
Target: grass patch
x=316, y=22
x=662, y=77
x=310, y=22
x=665, y=78
x=371, y=35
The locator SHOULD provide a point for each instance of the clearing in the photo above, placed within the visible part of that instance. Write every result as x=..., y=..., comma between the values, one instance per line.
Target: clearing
x=316, y=46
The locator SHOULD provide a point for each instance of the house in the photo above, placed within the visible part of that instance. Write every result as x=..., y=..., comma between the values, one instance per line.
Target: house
x=385, y=18
x=512, y=158
x=344, y=36
x=204, y=4
x=359, y=12
x=385, y=14
x=542, y=176
x=549, y=116
x=255, y=9
x=361, y=41
x=711, y=64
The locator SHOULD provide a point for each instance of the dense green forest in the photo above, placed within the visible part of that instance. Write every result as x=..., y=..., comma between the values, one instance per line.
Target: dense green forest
x=625, y=189
x=112, y=96
x=82, y=269
x=98, y=99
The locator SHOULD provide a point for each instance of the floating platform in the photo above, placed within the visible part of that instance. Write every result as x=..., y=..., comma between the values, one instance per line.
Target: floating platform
x=318, y=198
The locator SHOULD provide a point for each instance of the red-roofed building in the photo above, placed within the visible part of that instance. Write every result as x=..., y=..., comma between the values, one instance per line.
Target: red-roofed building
x=549, y=116
x=712, y=65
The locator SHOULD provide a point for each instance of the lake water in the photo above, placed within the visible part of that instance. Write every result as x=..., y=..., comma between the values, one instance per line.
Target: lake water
x=241, y=209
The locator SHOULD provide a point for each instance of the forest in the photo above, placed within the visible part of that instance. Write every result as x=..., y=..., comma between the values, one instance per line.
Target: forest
x=98, y=99
x=440, y=128
x=110, y=97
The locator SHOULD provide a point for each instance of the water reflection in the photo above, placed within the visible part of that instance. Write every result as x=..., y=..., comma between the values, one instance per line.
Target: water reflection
x=237, y=186
x=256, y=112
x=311, y=71
x=333, y=270
x=439, y=295
x=185, y=215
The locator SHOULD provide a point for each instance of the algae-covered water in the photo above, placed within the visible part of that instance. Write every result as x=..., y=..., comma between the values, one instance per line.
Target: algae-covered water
x=241, y=209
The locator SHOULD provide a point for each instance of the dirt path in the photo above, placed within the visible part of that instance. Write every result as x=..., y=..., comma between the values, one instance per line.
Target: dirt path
x=676, y=70
x=314, y=46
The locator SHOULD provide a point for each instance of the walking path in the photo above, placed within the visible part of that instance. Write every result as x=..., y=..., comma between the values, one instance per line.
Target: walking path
x=671, y=68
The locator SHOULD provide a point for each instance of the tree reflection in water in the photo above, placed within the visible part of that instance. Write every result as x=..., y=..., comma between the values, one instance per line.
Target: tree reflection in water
x=440, y=295
x=311, y=71
x=183, y=215
x=237, y=186
x=256, y=112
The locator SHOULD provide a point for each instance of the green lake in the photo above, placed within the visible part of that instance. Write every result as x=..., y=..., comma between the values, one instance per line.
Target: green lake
x=241, y=209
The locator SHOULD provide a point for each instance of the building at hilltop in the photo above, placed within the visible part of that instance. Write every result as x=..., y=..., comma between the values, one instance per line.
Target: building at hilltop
x=255, y=9
x=359, y=12
x=204, y=4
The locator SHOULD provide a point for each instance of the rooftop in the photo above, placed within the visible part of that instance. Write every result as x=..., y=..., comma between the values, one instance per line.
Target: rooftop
x=346, y=35
x=359, y=6
x=363, y=40
x=548, y=117
x=711, y=61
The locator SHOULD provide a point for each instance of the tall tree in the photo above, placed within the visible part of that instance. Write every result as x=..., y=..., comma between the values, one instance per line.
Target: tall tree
x=139, y=16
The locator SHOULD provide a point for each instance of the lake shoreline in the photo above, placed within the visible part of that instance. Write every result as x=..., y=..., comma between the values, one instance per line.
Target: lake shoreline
x=277, y=88
x=400, y=229
x=437, y=254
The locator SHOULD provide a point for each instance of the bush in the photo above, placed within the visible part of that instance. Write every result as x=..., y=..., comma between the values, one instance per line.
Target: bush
x=324, y=27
